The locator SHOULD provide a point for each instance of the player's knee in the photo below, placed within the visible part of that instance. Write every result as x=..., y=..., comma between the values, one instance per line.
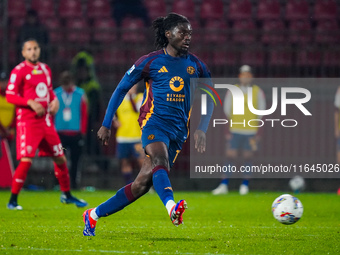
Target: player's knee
x=140, y=187
x=25, y=159
x=59, y=160
x=160, y=161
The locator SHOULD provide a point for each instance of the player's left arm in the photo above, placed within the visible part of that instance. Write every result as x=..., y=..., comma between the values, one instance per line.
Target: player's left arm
x=199, y=135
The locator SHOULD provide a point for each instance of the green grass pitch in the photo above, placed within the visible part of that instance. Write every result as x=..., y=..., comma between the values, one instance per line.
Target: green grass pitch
x=229, y=224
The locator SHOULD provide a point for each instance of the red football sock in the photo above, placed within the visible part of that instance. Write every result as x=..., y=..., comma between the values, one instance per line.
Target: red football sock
x=61, y=172
x=20, y=176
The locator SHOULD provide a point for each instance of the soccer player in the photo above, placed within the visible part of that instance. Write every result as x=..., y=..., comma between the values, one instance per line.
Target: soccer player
x=129, y=145
x=163, y=118
x=30, y=89
x=242, y=139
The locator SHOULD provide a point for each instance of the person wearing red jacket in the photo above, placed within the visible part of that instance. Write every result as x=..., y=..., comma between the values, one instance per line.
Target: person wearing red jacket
x=30, y=89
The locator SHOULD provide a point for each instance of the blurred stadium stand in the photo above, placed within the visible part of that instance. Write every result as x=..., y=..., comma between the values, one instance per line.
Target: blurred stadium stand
x=240, y=9
x=156, y=8
x=185, y=7
x=70, y=9
x=77, y=24
x=44, y=8
x=273, y=32
x=297, y=10
x=211, y=9
x=300, y=32
x=268, y=9
x=279, y=38
x=98, y=9
x=17, y=9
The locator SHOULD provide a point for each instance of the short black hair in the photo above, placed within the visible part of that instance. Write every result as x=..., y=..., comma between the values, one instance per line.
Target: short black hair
x=29, y=40
x=162, y=24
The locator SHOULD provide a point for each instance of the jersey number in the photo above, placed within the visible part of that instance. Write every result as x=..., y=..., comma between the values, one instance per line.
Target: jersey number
x=57, y=150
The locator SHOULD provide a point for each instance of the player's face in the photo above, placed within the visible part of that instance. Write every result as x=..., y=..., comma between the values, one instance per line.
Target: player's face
x=31, y=51
x=245, y=78
x=180, y=36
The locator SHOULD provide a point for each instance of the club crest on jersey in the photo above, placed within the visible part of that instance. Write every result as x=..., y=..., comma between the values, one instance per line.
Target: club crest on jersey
x=191, y=70
x=176, y=83
x=41, y=90
x=151, y=137
x=131, y=69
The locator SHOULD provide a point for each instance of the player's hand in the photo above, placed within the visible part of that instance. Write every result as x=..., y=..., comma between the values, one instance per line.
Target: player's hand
x=103, y=135
x=54, y=106
x=37, y=107
x=200, y=139
x=336, y=133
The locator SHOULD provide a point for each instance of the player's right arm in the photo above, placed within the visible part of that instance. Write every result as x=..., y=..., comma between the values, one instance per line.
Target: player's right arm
x=13, y=96
x=131, y=77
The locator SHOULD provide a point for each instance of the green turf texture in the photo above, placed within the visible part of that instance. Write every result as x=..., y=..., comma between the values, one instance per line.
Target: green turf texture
x=227, y=224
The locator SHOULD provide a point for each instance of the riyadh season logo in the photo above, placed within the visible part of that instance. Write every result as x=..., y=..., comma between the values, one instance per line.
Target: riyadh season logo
x=238, y=105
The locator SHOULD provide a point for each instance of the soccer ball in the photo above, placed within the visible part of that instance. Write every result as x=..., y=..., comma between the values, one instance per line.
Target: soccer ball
x=297, y=183
x=287, y=209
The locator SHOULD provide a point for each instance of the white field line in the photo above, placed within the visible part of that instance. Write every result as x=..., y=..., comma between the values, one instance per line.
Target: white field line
x=104, y=251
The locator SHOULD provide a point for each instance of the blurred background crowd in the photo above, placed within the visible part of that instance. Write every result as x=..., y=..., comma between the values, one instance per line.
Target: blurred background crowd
x=299, y=36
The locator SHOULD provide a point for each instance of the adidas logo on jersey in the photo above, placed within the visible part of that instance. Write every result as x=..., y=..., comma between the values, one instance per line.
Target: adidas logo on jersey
x=163, y=70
